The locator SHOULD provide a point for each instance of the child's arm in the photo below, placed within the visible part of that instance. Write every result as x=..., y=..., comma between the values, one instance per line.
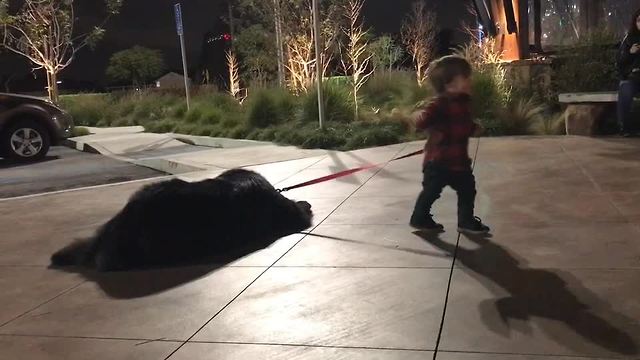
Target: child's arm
x=427, y=117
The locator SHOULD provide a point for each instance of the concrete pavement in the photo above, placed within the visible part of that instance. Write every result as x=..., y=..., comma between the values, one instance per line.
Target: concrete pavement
x=559, y=279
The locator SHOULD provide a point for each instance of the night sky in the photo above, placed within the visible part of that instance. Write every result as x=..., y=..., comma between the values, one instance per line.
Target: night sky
x=150, y=23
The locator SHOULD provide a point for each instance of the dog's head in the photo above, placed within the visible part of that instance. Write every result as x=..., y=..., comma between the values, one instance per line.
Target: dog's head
x=305, y=214
x=290, y=217
x=305, y=207
x=296, y=216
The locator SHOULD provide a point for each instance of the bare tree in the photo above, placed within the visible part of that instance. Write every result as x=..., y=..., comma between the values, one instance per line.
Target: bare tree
x=234, y=77
x=43, y=31
x=300, y=46
x=290, y=45
x=300, y=64
x=419, y=37
x=331, y=30
x=358, y=56
x=300, y=38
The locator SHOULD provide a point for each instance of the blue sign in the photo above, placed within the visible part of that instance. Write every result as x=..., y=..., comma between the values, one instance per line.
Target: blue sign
x=178, y=11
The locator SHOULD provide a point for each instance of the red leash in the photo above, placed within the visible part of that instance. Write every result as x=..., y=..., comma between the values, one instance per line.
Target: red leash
x=346, y=173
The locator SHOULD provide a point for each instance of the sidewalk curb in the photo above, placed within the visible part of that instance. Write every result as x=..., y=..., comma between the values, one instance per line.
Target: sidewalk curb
x=114, y=130
x=174, y=164
x=216, y=142
x=80, y=146
x=166, y=166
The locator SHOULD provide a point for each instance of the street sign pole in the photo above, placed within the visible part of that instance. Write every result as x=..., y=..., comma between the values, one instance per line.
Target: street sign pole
x=319, y=67
x=180, y=30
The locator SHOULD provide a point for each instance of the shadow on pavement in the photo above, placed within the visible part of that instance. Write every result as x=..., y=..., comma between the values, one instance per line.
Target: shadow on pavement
x=9, y=163
x=151, y=281
x=388, y=247
x=555, y=295
x=381, y=172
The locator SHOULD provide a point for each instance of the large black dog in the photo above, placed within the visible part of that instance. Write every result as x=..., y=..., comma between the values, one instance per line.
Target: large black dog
x=176, y=222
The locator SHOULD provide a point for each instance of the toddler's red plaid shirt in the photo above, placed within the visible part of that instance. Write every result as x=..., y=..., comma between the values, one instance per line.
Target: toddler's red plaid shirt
x=449, y=122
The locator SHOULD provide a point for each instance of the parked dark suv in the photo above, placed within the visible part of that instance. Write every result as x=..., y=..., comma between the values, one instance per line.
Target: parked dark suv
x=29, y=126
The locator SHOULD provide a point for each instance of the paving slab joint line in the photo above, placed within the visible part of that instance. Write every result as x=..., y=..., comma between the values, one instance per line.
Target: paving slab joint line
x=93, y=337
x=277, y=183
x=546, y=356
x=276, y=261
x=310, y=345
x=599, y=189
x=446, y=298
x=453, y=267
x=44, y=303
x=241, y=292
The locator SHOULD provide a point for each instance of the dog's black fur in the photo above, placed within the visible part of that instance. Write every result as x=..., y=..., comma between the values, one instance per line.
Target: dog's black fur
x=176, y=222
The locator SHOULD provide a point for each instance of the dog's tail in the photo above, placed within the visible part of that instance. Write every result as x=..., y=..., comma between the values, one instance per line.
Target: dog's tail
x=76, y=253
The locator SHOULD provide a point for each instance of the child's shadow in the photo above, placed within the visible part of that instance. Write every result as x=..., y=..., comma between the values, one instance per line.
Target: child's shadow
x=555, y=295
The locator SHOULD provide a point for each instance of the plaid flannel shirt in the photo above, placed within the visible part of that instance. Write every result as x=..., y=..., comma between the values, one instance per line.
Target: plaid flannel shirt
x=449, y=122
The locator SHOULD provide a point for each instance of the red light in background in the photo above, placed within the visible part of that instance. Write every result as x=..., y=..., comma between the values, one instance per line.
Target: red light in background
x=226, y=37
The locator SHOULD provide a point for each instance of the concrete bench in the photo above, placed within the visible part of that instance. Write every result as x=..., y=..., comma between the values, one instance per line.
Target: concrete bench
x=585, y=110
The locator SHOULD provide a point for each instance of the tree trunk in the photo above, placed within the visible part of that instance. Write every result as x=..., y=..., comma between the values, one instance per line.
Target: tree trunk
x=355, y=101
x=279, y=42
x=537, y=16
x=52, y=86
x=419, y=73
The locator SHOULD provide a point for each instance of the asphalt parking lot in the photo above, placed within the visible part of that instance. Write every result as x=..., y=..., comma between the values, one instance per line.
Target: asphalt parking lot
x=66, y=168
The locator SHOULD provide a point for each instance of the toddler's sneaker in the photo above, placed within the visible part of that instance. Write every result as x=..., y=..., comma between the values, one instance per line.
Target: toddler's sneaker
x=473, y=227
x=425, y=223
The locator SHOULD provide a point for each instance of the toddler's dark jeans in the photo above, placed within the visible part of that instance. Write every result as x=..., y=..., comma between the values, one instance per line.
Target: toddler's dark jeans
x=436, y=177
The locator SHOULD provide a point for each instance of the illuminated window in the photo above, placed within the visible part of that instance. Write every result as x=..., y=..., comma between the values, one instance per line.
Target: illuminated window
x=565, y=21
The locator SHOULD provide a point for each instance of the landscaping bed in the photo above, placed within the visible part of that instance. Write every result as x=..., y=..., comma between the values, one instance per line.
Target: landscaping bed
x=387, y=104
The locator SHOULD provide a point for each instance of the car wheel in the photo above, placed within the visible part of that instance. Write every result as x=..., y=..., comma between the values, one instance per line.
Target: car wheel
x=25, y=140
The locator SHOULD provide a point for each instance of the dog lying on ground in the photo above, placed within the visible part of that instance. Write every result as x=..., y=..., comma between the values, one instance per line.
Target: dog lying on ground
x=176, y=222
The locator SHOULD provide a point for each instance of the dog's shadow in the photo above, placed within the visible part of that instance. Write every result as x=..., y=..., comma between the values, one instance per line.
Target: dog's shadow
x=150, y=281
x=523, y=294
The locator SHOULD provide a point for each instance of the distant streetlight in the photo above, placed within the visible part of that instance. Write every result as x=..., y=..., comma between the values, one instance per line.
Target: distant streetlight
x=317, y=34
